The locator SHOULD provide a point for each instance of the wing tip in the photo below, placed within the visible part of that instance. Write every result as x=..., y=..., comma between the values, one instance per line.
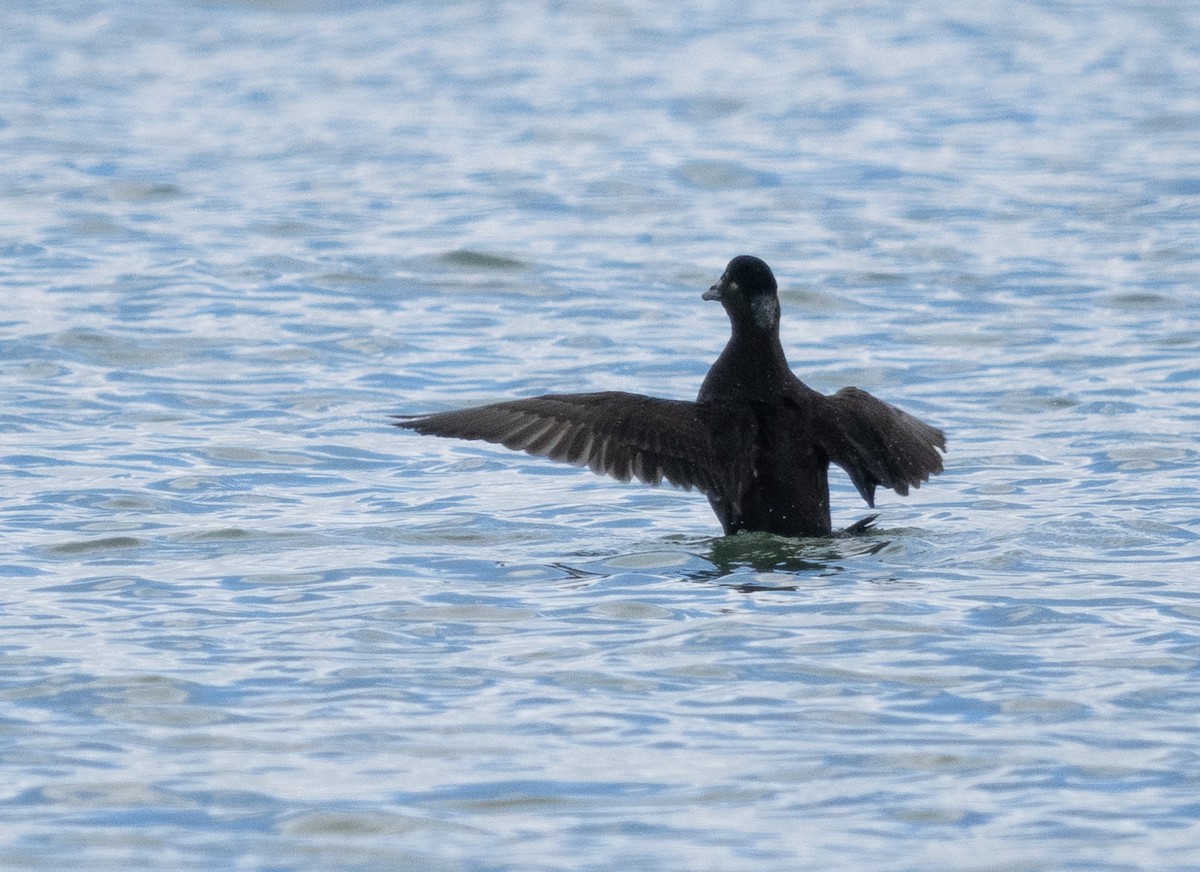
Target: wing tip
x=406, y=422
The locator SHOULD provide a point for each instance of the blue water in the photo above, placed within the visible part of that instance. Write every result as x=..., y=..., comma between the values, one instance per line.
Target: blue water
x=244, y=624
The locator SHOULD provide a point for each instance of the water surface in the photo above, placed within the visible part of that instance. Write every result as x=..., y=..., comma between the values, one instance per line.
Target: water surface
x=248, y=625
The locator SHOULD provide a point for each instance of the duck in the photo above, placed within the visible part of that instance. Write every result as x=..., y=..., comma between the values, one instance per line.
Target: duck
x=757, y=441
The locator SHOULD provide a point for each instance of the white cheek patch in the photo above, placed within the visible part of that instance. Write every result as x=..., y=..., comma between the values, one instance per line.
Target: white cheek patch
x=766, y=312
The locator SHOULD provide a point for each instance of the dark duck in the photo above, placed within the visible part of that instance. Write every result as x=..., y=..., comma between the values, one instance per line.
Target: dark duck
x=757, y=441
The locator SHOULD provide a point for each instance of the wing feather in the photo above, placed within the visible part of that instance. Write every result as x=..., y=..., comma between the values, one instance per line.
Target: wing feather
x=614, y=433
x=878, y=444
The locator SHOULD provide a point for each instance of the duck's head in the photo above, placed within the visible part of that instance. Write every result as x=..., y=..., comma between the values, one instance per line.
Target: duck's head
x=749, y=293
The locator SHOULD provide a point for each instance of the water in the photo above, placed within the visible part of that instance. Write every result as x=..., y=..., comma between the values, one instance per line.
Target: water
x=245, y=624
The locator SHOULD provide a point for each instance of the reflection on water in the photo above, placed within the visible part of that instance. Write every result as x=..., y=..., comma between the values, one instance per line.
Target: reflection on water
x=764, y=553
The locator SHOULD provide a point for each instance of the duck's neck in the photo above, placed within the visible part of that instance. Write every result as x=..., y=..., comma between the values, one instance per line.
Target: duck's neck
x=752, y=368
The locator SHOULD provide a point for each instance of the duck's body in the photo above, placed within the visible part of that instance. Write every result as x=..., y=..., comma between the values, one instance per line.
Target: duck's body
x=757, y=442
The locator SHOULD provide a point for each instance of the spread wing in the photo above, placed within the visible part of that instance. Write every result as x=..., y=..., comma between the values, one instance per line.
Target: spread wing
x=613, y=433
x=878, y=444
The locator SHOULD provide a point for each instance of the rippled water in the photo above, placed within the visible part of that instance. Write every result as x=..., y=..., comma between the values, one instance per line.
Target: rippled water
x=245, y=624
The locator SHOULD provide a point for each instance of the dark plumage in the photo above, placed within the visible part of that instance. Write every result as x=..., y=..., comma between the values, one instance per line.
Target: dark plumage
x=757, y=442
